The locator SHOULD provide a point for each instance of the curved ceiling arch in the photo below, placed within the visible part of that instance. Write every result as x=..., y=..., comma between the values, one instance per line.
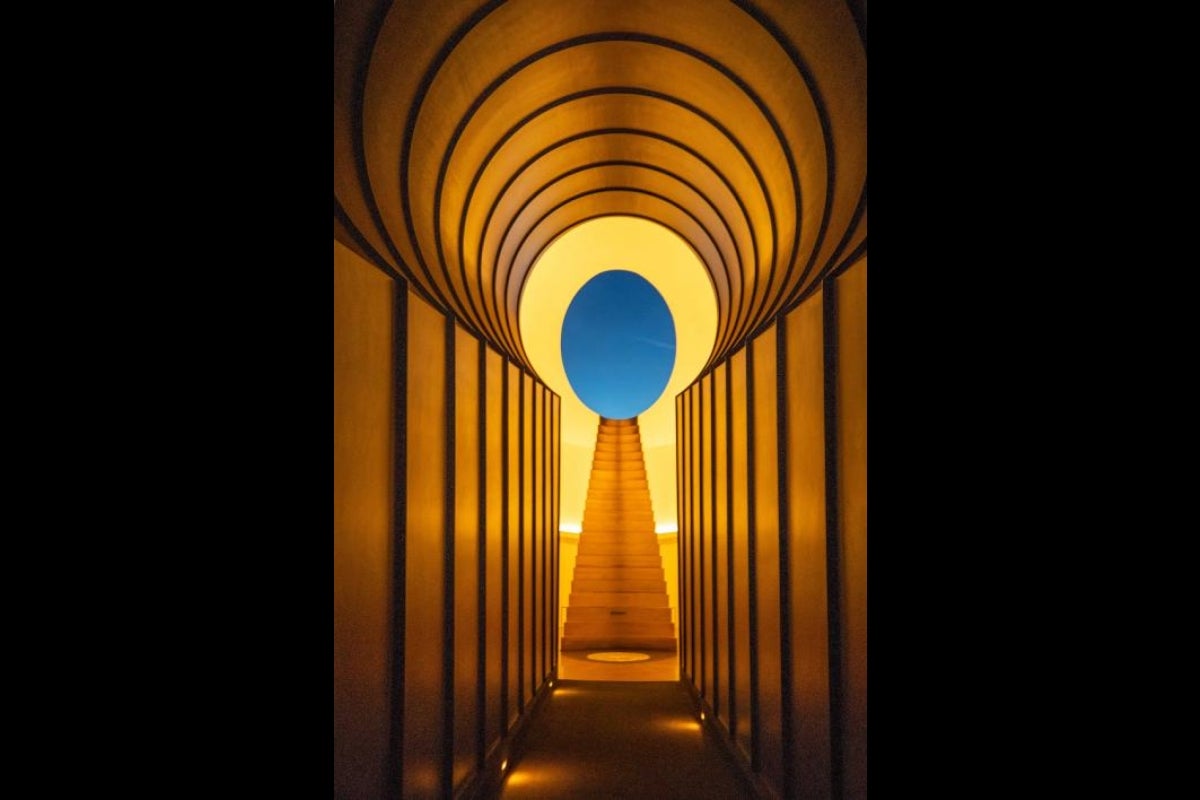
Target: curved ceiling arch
x=468, y=136
x=753, y=119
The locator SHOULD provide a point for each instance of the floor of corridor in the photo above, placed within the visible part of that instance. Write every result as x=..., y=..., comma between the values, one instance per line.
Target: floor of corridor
x=662, y=665
x=620, y=738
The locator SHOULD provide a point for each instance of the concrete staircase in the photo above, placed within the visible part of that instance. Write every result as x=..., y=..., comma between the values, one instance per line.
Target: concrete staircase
x=619, y=594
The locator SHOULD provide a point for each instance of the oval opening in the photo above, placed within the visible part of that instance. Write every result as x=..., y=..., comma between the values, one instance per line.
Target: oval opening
x=618, y=344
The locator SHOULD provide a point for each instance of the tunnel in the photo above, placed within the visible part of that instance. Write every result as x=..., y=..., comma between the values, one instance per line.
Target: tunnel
x=718, y=149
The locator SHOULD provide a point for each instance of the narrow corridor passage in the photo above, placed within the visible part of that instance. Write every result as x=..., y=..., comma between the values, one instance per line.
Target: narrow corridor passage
x=630, y=739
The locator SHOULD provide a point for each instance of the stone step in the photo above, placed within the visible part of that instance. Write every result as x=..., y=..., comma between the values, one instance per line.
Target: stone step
x=627, y=614
x=631, y=499
x=579, y=586
x=653, y=573
x=619, y=599
x=611, y=530
x=634, y=500
x=616, y=628
x=617, y=549
x=618, y=596
x=618, y=560
x=613, y=537
x=622, y=642
x=608, y=478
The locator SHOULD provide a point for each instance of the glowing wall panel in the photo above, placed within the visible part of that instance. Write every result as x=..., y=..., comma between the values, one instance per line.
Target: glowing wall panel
x=528, y=568
x=494, y=724
x=684, y=518
x=768, y=702
x=775, y=570
x=512, y=477
x=552, y=531
x=851, y=294
x=695, y=650
x=722, y=634
x=810, y=748
x=426, y=438
x=540, y=506
x=362, y=524
x=465, y=569
x=739, y=464
x=704, y=539
x=446, y=474
x=686, y=526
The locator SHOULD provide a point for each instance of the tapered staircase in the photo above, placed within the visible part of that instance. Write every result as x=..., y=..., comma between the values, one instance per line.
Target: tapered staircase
x=619, y=592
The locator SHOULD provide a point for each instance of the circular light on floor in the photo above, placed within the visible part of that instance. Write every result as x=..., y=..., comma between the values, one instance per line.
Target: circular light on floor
x=618, y=657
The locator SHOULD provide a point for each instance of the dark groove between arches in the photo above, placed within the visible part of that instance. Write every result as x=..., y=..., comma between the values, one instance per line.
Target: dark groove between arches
x=607, y=189
x=577, y=137
x=410, y=124
x=733, y=240
x=557, y=47
x=362, y=63
x=738, y=315
x=789, y=47
x=859, y=209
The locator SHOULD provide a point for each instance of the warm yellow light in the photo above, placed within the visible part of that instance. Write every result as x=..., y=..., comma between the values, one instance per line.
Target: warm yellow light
x=546, y=777
x=570, y=527
x=679, y=725
x=664, y=259
x=504, y=765
x=666, y=527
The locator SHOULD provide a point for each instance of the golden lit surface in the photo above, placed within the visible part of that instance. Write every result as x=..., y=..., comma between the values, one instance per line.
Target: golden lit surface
x=575, y=665
x=675, y=725
x=531, y=778
x=467, y=138
x=668, y=547
x=617, y=740
x=676, y=272
x=618, y=657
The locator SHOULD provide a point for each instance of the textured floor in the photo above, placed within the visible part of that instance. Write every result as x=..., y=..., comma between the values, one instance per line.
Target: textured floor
x=620, y=739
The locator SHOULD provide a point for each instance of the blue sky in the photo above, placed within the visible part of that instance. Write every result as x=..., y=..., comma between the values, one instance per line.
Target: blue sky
x=618, y=344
